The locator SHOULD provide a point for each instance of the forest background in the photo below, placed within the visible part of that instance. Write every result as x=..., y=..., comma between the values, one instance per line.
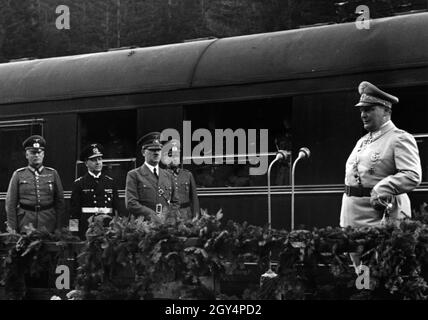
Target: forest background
x=28, y=27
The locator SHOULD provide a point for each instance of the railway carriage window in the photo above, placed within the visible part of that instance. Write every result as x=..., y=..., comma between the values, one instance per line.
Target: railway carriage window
x=422, y=141
x=12, y=134
x=271, y=114
x=117, y=132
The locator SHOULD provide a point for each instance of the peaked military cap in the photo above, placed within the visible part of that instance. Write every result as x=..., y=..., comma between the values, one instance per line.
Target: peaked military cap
x=372, y=95
x=151, y=141
x=35, y=142
x=91, y=151
x=173, y=147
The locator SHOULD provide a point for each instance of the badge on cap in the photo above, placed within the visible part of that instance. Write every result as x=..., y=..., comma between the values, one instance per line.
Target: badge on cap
x=36, y=143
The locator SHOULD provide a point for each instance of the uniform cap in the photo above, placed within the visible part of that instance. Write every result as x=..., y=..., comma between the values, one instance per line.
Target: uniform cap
x=173, y=147
x=372, y=95
x=151, y=141
x=91, y=151
x=35, y=142
x=171, y=150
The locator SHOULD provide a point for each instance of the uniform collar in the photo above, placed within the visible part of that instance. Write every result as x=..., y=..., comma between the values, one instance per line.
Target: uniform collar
x=36, y=171
x=175, y=170
x=152, y=167
x=93, y=175
x=383, y=129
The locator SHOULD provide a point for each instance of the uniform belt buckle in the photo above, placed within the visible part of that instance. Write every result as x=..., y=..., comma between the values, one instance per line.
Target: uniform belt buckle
x=159, y=208
x=37, y=208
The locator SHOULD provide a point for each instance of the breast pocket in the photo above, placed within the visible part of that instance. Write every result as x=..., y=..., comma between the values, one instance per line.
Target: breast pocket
x=25, y=186
x=145, y=191
x=184, y=186
x=47, y=186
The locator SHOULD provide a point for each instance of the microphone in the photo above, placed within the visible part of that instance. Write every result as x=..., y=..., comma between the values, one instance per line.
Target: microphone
x=304, y=153
x=282, y=154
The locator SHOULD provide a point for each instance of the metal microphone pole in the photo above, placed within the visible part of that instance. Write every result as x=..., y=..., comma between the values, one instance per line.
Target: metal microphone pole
x=269, y=275
x=281, y=154
x=303, y=153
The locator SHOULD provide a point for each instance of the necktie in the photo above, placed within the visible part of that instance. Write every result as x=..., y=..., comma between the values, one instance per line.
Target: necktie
x=155, y=172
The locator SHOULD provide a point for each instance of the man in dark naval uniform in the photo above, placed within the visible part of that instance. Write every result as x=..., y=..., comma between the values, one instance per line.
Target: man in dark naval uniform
x=35, y=194
x=150, y=190
x=95, y=193
x=183, y=180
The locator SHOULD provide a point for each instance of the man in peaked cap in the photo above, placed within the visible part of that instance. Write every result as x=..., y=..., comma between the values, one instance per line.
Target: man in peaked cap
x=383, y=166
x=35, y=194
x=150, y=190
x=94, y=194
x=183, y=180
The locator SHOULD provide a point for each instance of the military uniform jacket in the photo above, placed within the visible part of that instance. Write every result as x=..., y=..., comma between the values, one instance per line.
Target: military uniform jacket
x=144, y=191
x=37, y=197
x=389, y=163
x=92, y=196
x=186, y=191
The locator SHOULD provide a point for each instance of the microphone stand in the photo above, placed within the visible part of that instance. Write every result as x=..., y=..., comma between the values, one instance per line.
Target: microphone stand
x=302, y=154
x=269, y=275
x=281, y=154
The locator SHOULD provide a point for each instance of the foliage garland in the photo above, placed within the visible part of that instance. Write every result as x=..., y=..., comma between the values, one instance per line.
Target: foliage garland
x=134, y=259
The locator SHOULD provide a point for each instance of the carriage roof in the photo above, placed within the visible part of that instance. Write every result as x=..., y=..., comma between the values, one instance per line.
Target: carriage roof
x=312, y=52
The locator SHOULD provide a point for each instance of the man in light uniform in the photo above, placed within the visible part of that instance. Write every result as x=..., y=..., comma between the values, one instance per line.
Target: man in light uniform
x=35, y=194
x=383, y=166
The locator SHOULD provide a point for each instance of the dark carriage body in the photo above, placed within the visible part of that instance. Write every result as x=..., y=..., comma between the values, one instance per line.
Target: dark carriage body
x=304, y=78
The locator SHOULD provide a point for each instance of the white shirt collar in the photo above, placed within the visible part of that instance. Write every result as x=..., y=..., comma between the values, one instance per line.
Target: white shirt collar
x=94, y=175
x=152, y=167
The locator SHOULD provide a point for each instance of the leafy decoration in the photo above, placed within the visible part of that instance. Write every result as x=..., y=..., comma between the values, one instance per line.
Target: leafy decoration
x=136, y=259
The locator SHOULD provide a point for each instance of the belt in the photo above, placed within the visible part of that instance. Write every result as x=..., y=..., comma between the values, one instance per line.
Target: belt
x=96, y=210
x=357, y=191
x=35, y=208
x=184, y=205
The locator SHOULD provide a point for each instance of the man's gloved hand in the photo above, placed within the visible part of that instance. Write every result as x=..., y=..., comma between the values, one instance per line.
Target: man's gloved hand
x=379, y=202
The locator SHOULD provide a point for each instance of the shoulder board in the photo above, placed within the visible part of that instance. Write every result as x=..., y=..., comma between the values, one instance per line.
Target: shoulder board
x=78, y=179
x=49, y=168
x=21, y=169
x=108, y=177
x=400, y=131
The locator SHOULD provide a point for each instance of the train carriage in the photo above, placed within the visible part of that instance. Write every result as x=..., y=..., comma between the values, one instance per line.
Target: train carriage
x=299, y=84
